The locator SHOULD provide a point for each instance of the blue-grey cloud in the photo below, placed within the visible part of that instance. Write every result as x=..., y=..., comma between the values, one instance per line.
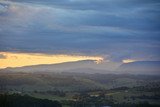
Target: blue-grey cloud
x=120, y=29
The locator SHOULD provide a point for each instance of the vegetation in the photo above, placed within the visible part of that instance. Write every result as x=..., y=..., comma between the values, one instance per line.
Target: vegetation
x=16, y=100
x=78, y=90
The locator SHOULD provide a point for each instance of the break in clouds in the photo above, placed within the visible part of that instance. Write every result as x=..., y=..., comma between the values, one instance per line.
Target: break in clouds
x=125, y=29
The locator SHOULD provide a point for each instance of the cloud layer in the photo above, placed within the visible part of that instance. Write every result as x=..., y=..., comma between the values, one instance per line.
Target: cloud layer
x=126, y=29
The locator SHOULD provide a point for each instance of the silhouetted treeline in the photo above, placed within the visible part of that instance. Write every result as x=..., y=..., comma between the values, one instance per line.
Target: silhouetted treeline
x=16, y=100
x=84, y=104
x=100, y=100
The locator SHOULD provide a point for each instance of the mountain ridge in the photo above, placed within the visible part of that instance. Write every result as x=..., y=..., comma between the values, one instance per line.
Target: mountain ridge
x=141, y=67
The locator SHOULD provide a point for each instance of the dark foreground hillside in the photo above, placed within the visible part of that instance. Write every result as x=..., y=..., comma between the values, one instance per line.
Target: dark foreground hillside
x=16, y=100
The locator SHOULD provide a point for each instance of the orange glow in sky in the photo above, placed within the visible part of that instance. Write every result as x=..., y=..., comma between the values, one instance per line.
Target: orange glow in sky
x=128, y=60
x=10, y=59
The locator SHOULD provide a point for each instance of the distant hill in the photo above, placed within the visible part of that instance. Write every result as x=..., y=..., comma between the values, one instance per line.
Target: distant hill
x=90, y=67
x=85, y=66
x=51, y=67
x=141, y=67
x=90, y=71
x=27, y=82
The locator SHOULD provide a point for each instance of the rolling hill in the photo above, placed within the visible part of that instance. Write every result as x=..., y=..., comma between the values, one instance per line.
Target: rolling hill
x=141, y=67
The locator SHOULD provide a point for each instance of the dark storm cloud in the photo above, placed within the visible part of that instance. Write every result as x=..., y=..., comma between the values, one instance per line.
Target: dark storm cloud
x=120, y=29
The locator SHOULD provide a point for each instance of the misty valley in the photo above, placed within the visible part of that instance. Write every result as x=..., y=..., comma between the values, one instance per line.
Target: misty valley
x=68, y=89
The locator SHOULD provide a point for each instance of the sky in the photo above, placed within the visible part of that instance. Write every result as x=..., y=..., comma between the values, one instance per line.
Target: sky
x=115, y=30
x=26, y=59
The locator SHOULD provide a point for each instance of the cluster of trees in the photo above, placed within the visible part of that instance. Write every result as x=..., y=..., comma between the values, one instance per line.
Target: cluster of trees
x=54, y=92
x=100, y=100
x=16, y=100
x=108, y=104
